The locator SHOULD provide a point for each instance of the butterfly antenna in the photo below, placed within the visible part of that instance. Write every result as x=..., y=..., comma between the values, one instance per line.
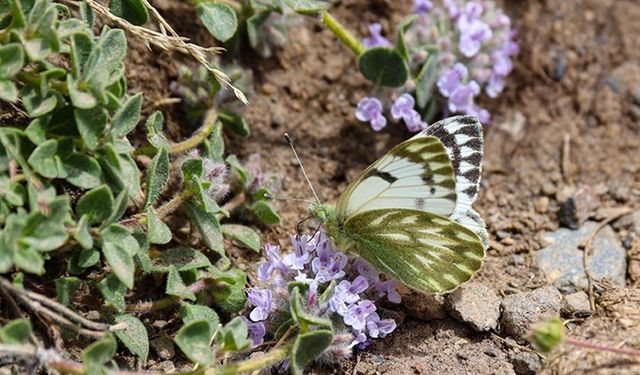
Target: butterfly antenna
x=290, y=142
x=314, y=233
x=271, y=196
x=299, y=225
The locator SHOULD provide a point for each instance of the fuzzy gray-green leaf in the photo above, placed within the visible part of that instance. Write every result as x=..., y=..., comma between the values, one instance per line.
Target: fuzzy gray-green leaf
x=134, y=337
x=243, y=234
x=193, y=339
x=125, y=120
x=307, y=347
x=156, y=176
x=158, y=231
x=219, y=19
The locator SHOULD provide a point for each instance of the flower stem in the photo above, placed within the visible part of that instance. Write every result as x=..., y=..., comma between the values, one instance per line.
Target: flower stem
x=272, y=357
x=345, y=36
x=209, y=122
x=589, y=345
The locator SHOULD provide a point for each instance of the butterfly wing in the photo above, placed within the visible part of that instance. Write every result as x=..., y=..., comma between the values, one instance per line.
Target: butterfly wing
x=462, y=140
x=426, y=252
x=416, y=174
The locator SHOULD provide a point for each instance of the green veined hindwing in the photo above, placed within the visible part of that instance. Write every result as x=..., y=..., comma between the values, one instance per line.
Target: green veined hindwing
x=409, y=213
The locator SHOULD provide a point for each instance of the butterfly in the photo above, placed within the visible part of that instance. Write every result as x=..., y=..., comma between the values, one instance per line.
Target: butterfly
x=409, y=213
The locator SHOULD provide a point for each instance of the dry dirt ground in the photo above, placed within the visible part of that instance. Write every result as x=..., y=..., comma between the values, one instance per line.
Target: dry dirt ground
x=574, y=88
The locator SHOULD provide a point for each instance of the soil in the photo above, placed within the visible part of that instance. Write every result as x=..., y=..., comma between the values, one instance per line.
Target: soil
x=569, y=117
x=575, y=88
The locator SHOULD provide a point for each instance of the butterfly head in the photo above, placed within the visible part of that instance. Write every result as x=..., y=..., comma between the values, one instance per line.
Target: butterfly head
x=323, y=212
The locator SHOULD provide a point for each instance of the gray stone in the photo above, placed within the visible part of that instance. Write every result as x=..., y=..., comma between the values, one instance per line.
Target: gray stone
x=630, y=222
x=575, y=303
x=475, y=304
x=163, y=346
x=527, y=363
x=562, y=260
x=520, y=311
x=577, y=207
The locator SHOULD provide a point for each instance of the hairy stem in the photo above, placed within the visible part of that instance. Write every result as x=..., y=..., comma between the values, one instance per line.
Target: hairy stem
x=197, y=138
x=345, y=36
x=165, y=303
x=604, y=348
x=270, y=358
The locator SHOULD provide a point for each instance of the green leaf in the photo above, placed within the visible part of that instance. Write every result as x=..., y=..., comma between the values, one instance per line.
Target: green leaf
x=193, y=339
x=384, y=66
x=307, y=347
x=8, y=91
x=15, y=332
x=45, y=159
x=400, y=43
x=96, y=204
x=426, y=81
x=176, y=286
x=133, y=11
x=121, y=262
x=300, y=316
x=87, y=15
x=99, y=353
x=119, y=207
x=157, y=176
x=182, y=258
x=134, y=337
x=91, y=125
x=308, y=7
x=265, y=213
x=254, y=26
x=88, y=258
x=216, y=143
x=80, y=98
x=234, y=335
x=235, y=122
x=113, y=292
x=35, y=103
x=121, y=236
x=82, y=235
x=158, y=231
x=81, y=45
x=230, y=298
x=208, y=226
x=243, y=234
x=219, y=19
x=235, y=165
x=65, y=288
x=29, y=260
x=11, y=60
x=155, y=136
x=125, y=120
x=190, y=313
x=82, y=171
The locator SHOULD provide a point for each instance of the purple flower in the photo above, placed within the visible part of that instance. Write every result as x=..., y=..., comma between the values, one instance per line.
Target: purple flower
x=347, y=292
x=379, y=328
x=388, y=288
x=403, y=106
x=262, y=299
x=462, y=97
x=403, y=109
x=452, y=8
x=482, y=114
x=274, y=262
x=502, y=64
x=472, y=37
x=301, y=255
x=422, y=6
x=494, y=86
x=357, y=313
x=257, y=331
x=376, y=39
x=451, y=79
x=370, y=109
x=328, y=264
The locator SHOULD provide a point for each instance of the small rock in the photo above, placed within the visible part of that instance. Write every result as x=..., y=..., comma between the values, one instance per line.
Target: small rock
x=520, y=311
x=548, y=188
x=575, y=303
x=527, y=363
x=577, y=208
x=163, y=346
x=630, y=222
x=559, y=66
x=424, y=306
x=562, y=260
x=621, y=193
x=542, y=205
x=475, y=304
x=165, y=367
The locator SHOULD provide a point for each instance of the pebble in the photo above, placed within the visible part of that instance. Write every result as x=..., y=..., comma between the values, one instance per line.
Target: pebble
x=542, y=205
x=520, y=311
x=562, y=260
x=574, y=304
x=164, y=367
x=630, y=222
x=548, y=188
x=526, y=363
x=577, y=208
x=559, y=66
x=163, y=346
x=475, y=304
x=425, y=306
